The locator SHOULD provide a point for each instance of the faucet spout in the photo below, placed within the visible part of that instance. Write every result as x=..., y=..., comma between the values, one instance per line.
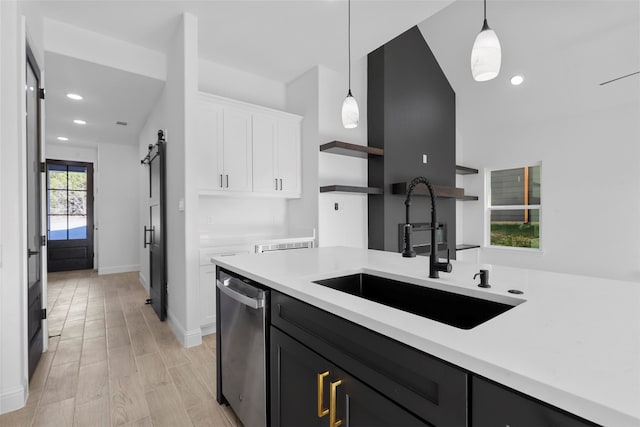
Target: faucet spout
x=434, y=265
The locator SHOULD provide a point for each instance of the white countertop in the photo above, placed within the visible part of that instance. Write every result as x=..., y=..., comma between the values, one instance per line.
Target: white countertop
x=574, y=342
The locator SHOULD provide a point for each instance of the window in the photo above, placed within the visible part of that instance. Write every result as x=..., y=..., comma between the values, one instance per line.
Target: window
x=514, y=207
x=67, y=201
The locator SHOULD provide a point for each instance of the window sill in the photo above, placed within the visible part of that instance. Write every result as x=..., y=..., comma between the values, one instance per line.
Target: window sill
x=528, y=251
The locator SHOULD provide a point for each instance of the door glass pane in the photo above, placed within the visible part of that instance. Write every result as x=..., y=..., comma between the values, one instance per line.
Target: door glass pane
x=57, y=227
x=77, y=178
x=57, y=176
x=518, y=228
x=77, y=227
x=77, y=202
x=57, y=202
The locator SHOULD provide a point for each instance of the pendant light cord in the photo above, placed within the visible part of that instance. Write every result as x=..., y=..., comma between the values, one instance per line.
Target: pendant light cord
x=485, y=10
x=349, y=41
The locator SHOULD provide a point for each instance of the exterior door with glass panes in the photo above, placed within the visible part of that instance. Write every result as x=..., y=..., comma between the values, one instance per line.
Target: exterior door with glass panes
x=69, y=215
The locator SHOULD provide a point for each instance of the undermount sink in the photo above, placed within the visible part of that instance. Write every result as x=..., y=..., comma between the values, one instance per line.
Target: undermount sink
x=461, y=311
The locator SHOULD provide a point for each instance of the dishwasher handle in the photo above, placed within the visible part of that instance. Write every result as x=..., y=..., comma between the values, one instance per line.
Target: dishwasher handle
x=235, y=292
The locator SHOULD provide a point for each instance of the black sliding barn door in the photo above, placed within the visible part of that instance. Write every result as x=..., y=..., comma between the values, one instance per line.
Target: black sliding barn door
x=154, y=234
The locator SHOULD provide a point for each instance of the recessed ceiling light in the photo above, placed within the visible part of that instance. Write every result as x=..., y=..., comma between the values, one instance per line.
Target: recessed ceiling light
x=517, y=80
x=63, y=138
x=74, y=96
x=79, y=122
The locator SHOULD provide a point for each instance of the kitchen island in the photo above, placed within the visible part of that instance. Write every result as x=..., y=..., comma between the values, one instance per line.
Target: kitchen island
x=570, y=341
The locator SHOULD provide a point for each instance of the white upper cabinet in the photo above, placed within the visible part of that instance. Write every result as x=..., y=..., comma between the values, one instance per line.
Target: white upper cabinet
x=265, y=178
x=288, y=157
x=209, y=141
x=276, y=155
x=244, y=148
x=236, y=151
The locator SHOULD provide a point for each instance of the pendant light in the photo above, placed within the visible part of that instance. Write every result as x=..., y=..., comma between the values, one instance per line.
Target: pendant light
x=350, y=112
x=486, y=54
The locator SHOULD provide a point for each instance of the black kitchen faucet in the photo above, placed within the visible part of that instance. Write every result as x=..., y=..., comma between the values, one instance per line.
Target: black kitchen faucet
x=434, y=265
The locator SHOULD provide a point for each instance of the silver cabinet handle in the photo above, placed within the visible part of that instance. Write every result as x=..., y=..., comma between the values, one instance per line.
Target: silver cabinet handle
x=280, y=184
x=227, y=180
x=276, y=184
x=220, y=180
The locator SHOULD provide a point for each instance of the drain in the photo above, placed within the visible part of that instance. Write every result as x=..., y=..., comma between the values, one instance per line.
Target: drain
x=515, y=291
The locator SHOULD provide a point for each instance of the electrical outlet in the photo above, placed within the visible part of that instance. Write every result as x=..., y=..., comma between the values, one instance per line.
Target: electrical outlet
x=336, y=206
x=424, y=159
x=181, y=205
x=210, y=220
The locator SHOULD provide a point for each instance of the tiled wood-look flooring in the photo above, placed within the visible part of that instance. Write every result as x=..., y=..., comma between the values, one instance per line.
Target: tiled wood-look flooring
x=111, y=362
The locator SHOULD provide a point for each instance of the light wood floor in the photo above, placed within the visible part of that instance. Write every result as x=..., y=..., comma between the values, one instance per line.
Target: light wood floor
x=111, y=362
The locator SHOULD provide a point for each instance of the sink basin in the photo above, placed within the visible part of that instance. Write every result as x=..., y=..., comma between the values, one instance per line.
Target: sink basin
x=461, y=311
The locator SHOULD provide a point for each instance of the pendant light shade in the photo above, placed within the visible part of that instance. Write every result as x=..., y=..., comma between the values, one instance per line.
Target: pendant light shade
x=486, y=55
x=350, y=111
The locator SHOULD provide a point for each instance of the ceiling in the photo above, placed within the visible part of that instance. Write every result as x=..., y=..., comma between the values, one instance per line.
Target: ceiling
x=279, y=40
x=110, y=95
x=564, y=49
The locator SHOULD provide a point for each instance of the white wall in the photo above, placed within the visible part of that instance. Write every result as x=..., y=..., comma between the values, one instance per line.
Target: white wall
x=90, y=46
x=119, y=236
x=590, y=186
x=318, y=95
x=348, y=225
x=303, y=99
x=13, y=345
x=232, y=83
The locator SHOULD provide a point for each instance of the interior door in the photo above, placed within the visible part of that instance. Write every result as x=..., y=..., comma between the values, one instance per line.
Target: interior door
x=154, y=234
x=69, y=215
x=34, y=238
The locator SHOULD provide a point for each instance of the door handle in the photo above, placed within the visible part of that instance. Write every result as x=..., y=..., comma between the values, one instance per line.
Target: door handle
x=31, y=253
x=321, y=411
x=144, y=236
x=333, y=421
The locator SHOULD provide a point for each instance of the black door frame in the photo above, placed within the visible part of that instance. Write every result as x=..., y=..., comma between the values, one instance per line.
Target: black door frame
x=60, y=244
x=36, y=329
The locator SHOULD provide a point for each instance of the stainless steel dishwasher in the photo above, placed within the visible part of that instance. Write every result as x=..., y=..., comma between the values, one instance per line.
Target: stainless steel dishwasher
x=243, y=361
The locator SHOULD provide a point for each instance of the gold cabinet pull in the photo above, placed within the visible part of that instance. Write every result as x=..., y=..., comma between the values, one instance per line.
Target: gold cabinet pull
x=321, y=411
x=333, y=422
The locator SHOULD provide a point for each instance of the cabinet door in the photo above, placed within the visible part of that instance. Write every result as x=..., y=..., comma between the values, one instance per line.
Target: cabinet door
x=209, y=143
x=237, y=150
x=299, y=390
x=496, y=406
x=264, y=154
x=288, y=157
x=208, y=295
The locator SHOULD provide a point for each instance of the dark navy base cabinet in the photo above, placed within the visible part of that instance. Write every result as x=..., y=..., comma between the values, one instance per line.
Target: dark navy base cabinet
x=379, y=381
x=297, y=371
x=494, y=405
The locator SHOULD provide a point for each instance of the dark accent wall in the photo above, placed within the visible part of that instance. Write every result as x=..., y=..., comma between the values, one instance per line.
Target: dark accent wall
x=411, y=111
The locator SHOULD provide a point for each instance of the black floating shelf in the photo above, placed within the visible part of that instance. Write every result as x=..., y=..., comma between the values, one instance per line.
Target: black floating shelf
x=464, y=246
x=353, y=150
x=351, y=189
x=441, y=191
x=463, y=170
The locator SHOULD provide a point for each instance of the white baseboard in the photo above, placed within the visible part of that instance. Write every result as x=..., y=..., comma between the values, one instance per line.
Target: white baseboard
x=186, y=338
x=143, y=280
x=13, y=399
x=208, y=329
x=118, y=269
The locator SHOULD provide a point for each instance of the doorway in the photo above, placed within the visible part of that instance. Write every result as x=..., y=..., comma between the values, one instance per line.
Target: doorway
x=70, y=224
